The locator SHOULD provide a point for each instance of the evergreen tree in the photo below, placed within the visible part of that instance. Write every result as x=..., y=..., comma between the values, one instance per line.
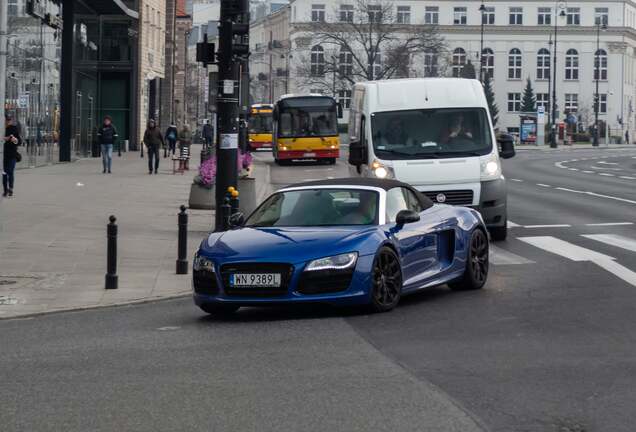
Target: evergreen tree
x=490, y=98
x=468, y=71
x=529, y=102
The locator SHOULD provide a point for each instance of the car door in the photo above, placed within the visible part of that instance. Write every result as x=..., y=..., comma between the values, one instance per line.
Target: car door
x=416, y=241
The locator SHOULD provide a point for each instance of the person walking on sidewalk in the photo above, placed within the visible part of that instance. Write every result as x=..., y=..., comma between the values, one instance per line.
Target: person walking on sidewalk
x=154, y=141
x=207, y=134
x=171, y=137
x=185, y=140
x=10, y=156
x=107, y=135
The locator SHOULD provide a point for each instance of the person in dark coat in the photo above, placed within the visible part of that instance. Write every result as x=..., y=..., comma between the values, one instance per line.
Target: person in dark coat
x=10, y=156
x=107, y=135
x=207, y=133
x=171, y=137
x=153, y=139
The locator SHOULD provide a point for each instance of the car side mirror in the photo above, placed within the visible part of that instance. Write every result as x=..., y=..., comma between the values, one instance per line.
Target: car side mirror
x=407, y=216
x=237, y=220
x=506, y=146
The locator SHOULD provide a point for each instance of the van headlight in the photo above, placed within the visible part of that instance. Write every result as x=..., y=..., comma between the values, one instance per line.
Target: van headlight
x=490, y=168
x=382, y=171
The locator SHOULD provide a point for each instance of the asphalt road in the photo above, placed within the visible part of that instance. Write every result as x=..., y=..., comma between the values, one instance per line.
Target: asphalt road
x=548, y=345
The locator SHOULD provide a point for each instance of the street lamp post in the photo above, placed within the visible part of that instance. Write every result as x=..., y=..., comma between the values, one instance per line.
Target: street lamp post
x=482, y=9
x=597, y=71
x=553, y=138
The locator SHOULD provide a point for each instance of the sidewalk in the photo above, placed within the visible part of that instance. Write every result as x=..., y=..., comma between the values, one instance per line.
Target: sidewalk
x=53, y=234
x=547, y=147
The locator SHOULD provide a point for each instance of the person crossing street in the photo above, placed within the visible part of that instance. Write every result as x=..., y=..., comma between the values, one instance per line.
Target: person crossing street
x=153, y=139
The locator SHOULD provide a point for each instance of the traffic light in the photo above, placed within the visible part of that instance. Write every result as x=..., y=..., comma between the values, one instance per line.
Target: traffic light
x=233, y=38
x=206, y=53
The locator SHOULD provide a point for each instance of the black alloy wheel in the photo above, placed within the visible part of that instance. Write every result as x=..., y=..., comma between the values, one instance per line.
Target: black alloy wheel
x=386, y=281
x=476, y=272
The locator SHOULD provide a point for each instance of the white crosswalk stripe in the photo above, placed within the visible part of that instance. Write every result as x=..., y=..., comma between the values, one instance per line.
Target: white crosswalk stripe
x=499, y=256
x=614, y=240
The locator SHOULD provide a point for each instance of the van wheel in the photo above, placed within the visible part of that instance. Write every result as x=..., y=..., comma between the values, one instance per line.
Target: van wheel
x=499, y=233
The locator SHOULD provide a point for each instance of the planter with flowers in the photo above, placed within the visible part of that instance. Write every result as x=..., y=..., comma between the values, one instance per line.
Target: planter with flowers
x=202, y=191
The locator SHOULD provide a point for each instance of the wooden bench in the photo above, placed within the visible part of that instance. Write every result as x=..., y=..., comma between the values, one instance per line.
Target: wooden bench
x=182, y=159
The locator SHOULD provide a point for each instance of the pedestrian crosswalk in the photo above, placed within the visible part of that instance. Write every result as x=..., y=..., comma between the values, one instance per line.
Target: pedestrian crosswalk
x=609, y=255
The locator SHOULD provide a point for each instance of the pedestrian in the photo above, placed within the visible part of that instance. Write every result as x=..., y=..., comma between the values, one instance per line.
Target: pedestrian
x=185, y=140
x=10, y=156
x=207, y=133
x=171, y=137
x=107, y=136
x=626, y=137
x=153, y=139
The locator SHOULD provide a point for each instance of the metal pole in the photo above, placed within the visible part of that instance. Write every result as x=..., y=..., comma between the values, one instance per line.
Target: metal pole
x=4, y=11
x=597, y=71
x=549, y=104
x=481, y=46
x=553, y=138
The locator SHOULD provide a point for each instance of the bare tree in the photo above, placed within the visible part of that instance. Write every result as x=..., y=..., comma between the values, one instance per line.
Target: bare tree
x=366, y=41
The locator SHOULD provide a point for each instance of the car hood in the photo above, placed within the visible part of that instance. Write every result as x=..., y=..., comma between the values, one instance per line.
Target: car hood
x=293, y=244
x=437, y=171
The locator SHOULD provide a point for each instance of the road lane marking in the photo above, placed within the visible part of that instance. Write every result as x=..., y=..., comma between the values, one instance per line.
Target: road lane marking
x=611, y=197
x=610, y=224
x=569, y=190
x=627, y=177
x=543, y=185
x=548, y=226
x=516, y=180
x=608, y=163
x=573, y=169
x=512, y=224
x=500, y=256
x=606, y=174
x=614, y=240
x=588, y=172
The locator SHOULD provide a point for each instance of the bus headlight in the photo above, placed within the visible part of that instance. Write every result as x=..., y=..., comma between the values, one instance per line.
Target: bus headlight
x=381, y=171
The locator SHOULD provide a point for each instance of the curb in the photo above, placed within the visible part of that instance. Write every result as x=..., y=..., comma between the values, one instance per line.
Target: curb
x=549, y=149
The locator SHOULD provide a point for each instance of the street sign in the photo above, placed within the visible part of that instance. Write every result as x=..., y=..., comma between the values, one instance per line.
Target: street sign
x=228, y=86
x=229, y=141
x=23, y=101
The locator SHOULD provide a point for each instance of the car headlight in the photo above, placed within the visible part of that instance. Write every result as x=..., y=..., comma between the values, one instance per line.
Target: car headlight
x=490, y=168
x=202, y=263
x=337, y=262
x=381, y=171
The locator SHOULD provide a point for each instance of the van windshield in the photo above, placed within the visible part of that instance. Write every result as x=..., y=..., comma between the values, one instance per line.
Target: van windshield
x=431, y=133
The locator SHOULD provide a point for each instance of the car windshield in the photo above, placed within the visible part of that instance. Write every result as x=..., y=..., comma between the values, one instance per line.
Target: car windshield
x=260, y=123
x=431, y=133
x=317, y=207
x=307, y=117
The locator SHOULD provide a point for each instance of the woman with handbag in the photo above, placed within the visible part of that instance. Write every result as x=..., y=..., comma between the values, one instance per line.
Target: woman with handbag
x=11, y=156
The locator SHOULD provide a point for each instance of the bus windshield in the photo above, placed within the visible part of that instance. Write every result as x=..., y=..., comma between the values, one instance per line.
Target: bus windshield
x=431, y=133
x=307, y=117
x=260, y=123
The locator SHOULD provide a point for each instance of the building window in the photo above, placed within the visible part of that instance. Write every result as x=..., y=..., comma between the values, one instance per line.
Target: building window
x=346, y=13
x=516, y=16
x=13, y=8
x=318, y=12
x=344, y=98
x=602, y=107
x=514, y=102
x=376, y=68
x=543, y=64
x=459, y=16
x=488, y=62
x=317, y=61
x=459, y=60
x=571, y=102
x=571, y=65
x=430, y=63
x=404, y=14
x=514, y=64
x=543, y=99
x=514, y=130
x=316, y=91
x=544, y=16
x=573, y=16
x=600, y=65
x=346, y=63
x=375, y=13
x=488, y=17
x=431, y=15
x=601, y=16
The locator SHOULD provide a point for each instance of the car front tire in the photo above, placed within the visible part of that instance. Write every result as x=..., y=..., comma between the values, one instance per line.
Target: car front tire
x=477, y=264
x=386, y=281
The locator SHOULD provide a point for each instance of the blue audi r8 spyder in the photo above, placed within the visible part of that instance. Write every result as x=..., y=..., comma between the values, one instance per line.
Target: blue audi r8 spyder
x=342, y=242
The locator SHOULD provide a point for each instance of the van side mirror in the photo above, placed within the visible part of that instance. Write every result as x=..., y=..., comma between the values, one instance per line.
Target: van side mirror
x=357, y=153
x=407, y=216
x=506, y=146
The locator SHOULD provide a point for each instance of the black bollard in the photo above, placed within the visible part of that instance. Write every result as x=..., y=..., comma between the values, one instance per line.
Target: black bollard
x=182, y=262
x=111, y=264
x=234, y=201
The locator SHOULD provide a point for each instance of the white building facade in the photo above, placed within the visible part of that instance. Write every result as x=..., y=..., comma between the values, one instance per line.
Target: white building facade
x=518, y=44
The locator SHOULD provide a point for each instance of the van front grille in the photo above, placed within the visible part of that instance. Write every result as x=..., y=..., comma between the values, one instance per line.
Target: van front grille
x=452, y=197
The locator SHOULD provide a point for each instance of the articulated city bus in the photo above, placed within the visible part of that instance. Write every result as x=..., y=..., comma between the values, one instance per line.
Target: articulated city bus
x=260, y=126
x=306, y=127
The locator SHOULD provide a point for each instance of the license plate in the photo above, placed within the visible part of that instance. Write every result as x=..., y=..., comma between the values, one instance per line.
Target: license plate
x=309, y=155
x=255, y=280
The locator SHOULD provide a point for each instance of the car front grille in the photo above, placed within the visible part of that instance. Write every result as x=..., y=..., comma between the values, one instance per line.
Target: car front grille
x=205, y=283
x=452, y=197
x=285, y=270
x=320, y=282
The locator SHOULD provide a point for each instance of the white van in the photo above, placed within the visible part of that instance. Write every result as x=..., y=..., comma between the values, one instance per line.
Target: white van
x=437, y=135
